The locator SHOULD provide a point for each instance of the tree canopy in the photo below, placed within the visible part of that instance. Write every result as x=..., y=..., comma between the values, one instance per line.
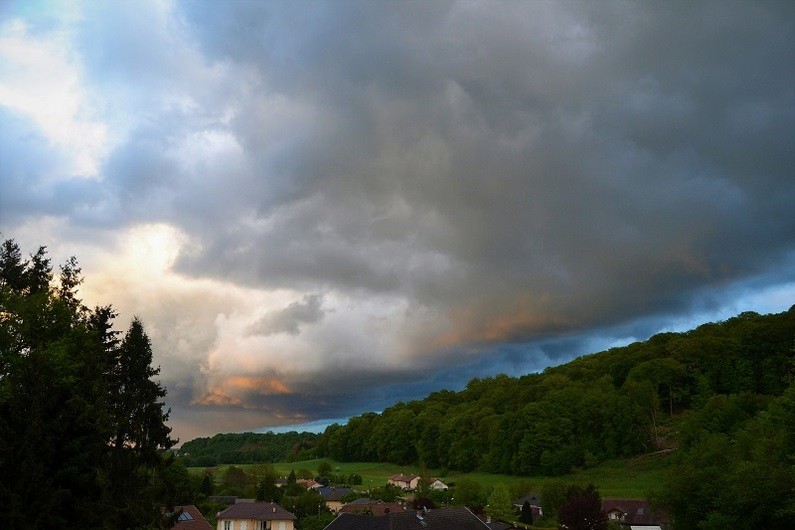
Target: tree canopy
x=82, y=422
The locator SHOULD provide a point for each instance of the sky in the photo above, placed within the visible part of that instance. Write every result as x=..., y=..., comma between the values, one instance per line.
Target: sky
x=318, y=209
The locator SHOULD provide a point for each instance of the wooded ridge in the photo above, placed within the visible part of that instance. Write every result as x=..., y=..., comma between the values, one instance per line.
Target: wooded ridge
x=614, y=403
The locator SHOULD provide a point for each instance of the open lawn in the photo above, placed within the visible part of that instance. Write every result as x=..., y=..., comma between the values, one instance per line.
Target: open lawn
x=625, y=478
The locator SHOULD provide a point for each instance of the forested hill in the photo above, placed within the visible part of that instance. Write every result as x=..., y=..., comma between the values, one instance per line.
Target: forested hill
x=248, y=448
x=621, y=402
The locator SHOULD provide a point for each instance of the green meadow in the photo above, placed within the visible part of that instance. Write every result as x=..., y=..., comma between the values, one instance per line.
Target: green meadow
x=624, y=478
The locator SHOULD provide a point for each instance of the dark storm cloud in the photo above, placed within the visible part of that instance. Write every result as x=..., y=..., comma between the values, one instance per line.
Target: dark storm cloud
x=592, y=162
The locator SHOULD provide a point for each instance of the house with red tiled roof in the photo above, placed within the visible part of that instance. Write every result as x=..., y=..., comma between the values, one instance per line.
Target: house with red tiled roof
x=309, y=483
x=190, y=518
x=406, y=482
x=256, y=516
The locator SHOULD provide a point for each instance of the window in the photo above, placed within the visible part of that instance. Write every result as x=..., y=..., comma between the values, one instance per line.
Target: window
x=227, y=525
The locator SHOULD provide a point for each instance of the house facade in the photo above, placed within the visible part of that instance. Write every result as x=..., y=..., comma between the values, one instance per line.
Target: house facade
x=256, y=516
x=406, y=482
x=333, y=497
x=437, y=484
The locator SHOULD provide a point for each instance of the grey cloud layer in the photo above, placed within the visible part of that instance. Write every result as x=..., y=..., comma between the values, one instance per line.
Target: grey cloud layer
x=515, y=171
x=608, y=159
x=290, y=319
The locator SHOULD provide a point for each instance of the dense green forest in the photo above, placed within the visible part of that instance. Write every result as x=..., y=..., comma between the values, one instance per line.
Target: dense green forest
x=248, y=448
x=610, y=404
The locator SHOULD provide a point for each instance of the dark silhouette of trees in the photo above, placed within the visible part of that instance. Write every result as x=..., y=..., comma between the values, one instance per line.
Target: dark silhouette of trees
x=82, y=425
x=526, y=515
x=245, y=448
x=582, y=509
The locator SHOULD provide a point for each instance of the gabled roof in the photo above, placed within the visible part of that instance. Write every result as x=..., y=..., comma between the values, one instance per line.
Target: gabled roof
x=403, y=478
x=330, y=493
x=534, y=499
x=190, y=519
x=442, y=519
x=258, y=511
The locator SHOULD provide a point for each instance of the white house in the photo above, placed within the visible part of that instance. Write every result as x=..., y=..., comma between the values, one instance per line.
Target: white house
x=437, y=484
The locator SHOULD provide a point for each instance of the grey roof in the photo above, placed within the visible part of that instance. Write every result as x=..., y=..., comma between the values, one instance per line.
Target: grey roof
x=500, y=525
x=362, y=500
x=442, y=519
x=258, y=511
x=534, y=499
x=331, y=493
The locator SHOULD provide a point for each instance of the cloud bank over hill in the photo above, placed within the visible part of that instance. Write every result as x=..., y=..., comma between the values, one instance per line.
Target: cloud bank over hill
x=319, y=208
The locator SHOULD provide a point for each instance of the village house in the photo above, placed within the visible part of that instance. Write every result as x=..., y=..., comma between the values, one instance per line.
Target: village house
x=333, y=497
x=309, y=483
x=256, y=516
x=190, y=519
x=634, y=514
x=406, y=482
x=534, y=500
x=438, y=485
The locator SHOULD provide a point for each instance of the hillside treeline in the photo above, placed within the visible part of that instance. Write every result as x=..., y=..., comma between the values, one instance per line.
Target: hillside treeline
x=615, y=403
x=248, y=448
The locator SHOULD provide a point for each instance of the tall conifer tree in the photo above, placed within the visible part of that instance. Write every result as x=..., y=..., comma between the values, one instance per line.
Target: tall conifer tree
x=82, y=422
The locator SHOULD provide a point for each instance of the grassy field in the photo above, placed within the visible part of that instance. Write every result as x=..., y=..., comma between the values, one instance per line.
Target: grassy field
x=630, y=478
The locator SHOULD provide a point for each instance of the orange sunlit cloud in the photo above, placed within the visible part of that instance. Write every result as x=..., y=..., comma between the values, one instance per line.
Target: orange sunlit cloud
x=265, y=385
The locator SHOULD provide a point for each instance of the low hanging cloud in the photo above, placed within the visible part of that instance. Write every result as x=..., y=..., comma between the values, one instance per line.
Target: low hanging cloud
x=350, y=203
x=289, y=319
